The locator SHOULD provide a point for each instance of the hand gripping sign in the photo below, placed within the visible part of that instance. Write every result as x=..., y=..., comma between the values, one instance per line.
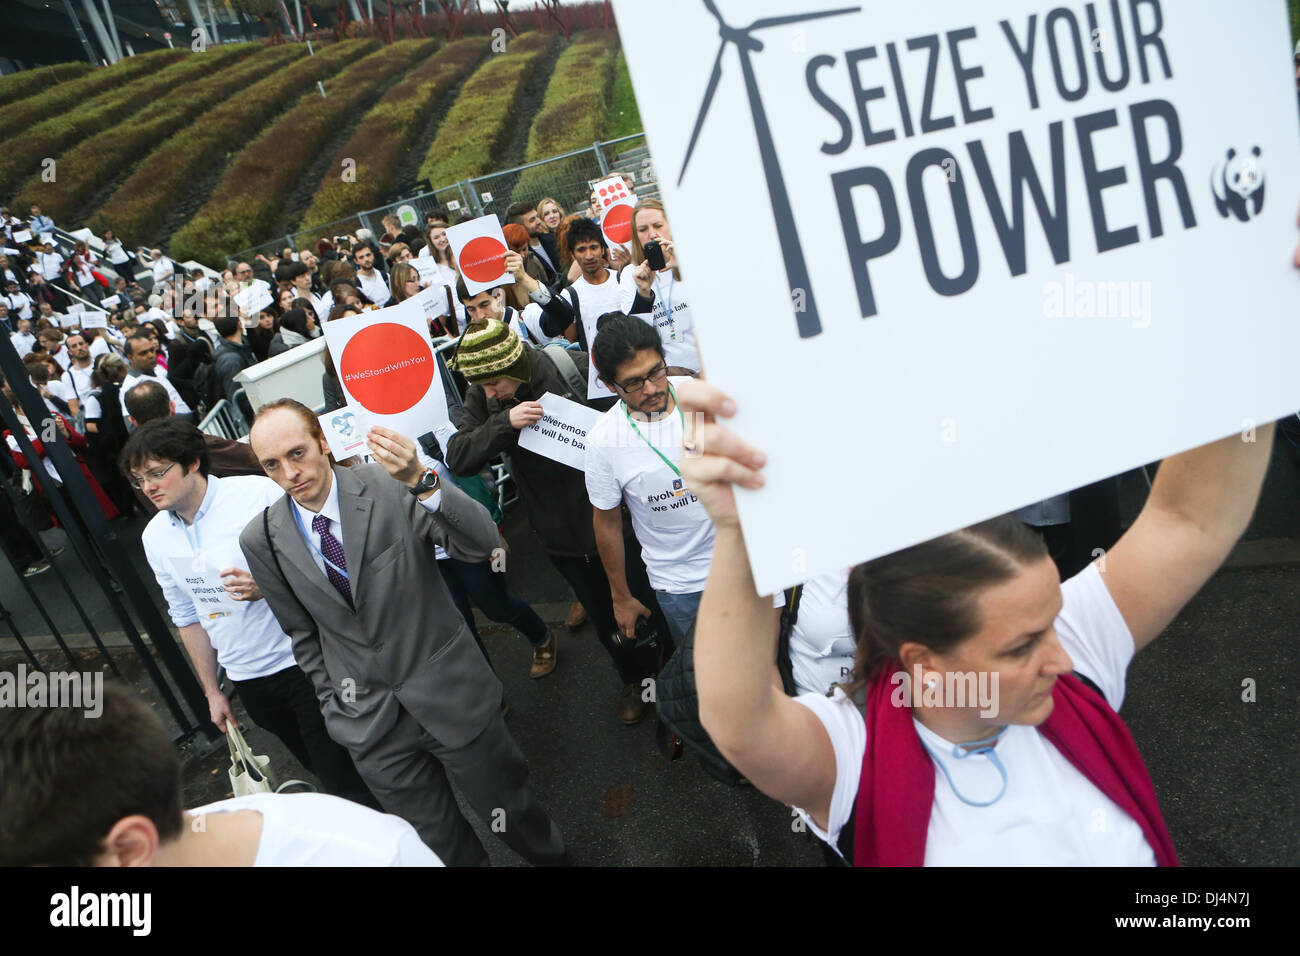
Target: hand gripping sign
x=386, y=364
x=480, y=250
x=1026, y=245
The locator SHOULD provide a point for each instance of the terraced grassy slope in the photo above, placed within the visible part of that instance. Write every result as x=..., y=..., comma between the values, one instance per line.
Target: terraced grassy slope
x=574, y=112
x=17, y=86
x=136, y=211
x=479, y=123
x=389, y=131
x=34, y=109
x=258, y=180
x=91, y=165
x=111, y=108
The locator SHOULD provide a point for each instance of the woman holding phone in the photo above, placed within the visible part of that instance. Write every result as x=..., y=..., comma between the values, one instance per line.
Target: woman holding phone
x=653, y=289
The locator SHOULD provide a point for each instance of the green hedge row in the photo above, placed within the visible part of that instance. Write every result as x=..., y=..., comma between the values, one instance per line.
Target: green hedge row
x=18, y=116
x=24, y=83
x=624, y=116
x=137, y=210
x=577, y=98
x=94, y=163
x=478, y=125
x=574, y=111
x=388, y=132
x=49, y=138
x=244, y=206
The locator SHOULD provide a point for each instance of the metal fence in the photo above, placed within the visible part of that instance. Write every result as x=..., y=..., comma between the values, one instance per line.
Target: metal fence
x=565, y=178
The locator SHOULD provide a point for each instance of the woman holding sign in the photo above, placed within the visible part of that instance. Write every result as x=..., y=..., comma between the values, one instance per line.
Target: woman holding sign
x=1042, y=770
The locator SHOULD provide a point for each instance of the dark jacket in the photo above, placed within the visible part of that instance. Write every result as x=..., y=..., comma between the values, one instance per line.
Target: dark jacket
x=184, y=356
x=230, y=360
x=555, y=495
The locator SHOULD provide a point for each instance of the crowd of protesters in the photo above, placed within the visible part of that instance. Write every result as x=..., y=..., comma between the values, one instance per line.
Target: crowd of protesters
x=350, y=631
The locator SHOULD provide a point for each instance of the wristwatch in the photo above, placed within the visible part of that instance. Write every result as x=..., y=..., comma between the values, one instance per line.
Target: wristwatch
x=428, y=482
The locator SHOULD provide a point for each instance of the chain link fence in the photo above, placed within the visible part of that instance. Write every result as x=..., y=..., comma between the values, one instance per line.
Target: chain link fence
x=565, y=178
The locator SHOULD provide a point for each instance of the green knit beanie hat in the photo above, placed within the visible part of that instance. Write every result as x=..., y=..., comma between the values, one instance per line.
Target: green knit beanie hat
x=491, y=349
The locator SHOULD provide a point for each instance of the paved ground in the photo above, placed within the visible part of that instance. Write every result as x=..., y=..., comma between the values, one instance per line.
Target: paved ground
x=1225, y=769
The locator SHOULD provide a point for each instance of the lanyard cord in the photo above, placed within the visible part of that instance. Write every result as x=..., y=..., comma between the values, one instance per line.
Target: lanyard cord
x=666, y=461
x=312, y=544
x=986, y=746
x=666, y=298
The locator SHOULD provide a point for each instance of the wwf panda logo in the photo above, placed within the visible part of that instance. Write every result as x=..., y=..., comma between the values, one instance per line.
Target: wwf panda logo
x=1238, y=185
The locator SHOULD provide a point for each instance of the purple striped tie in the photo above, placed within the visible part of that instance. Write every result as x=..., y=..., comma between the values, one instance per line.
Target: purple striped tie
x=332, y=548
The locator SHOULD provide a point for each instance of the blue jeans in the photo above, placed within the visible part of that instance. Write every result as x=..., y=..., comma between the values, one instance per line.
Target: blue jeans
x=680, y=611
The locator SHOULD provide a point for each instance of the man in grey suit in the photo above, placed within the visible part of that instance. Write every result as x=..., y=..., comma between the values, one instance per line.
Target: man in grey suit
x=346, y=563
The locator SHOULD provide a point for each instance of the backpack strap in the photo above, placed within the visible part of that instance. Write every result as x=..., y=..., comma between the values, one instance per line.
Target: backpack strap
x=567, y=368
x=789, y=614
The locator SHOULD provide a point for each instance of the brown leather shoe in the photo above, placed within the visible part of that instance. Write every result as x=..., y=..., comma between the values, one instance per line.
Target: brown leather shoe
x=631, y=708
x=543, y=658
x=577, y=616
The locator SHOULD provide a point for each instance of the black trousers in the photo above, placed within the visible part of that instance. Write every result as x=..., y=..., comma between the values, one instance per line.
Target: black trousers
x=586, y=575
x=285, y=704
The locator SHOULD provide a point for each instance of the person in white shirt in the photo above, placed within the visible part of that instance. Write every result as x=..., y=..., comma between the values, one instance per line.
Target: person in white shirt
x=659, y=296
x=18, y=301
x=634, y=454
x=595, y=292
x=142, y=353
x=114, y=251
x=192, y=546
x=76, y=377
x=102, y=787
x=370, y=279
x=969, y=645
x=821, y=645
x=161, y=266
x=48, y=263
x=23, y=340
x=443, y=269
x=52, y=341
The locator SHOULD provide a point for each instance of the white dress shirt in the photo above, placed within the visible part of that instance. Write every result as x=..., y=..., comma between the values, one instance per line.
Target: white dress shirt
x=331, y=511
x=375, y=288
x=187, y=559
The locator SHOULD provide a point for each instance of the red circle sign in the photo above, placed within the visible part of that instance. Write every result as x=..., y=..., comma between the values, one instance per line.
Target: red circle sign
x=618, y=223
x=387, y=368
x=483, y=259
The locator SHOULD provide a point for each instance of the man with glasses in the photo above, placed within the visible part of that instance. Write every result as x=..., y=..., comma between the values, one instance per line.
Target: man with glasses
x=142, y=353
x=192, y=546
x=634, y=456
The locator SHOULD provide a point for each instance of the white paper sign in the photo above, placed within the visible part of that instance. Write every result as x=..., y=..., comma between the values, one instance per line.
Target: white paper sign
x=480, y=249
x=254, y=299
x=433, y=300
x=386, y=364
x=109, y=301
x=205, y=587
x=561, y=435
x=47, y=237
x=94, y=320
x=345, y=430
x=22, y=235
x=76, y=307
x=1014, y=268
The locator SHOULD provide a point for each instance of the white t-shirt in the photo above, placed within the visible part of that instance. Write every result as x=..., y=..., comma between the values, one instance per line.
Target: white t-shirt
x=316, y=829
x=593, y=302
x=821, y=641
x=116, y=254
x=23, y=342
x=1050, y=814
x=76, y=381
x=375, y=288
x=98, y=347
x=91, y=409
x=162, y=269
x=134, y=378
x=675, y=532
x=671, y=316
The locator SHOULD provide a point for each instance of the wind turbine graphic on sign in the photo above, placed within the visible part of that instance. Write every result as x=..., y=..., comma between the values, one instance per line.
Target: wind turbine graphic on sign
x=796, y=269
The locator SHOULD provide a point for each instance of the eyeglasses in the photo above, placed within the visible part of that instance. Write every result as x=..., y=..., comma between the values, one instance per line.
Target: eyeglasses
x=155, y=477
x=633, y=385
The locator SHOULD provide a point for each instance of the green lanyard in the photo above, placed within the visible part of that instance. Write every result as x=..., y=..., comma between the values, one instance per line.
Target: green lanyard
x=675, y=469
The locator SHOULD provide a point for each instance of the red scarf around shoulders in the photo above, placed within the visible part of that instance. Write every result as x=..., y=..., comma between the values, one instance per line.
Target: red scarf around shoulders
x=896, y=789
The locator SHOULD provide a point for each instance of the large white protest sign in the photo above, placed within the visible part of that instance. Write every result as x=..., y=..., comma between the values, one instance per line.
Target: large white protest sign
x=386, y=364
x=22, y=235
x=991, y=252
x=480, y=250
x=561, y=435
